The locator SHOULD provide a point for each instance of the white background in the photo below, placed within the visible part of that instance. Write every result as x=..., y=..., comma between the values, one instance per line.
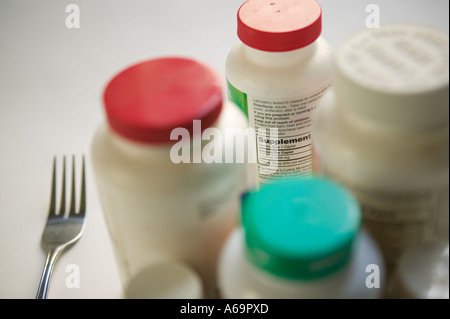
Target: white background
x=51, y=82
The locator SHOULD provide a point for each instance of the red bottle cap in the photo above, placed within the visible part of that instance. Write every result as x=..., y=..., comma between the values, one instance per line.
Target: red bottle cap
x=146, y=101
x=279, y=25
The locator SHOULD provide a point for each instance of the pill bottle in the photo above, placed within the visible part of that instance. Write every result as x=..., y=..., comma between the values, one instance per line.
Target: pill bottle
x=422, y=272
x=300, y=238
x=166, y=190
x=382, y=131
x=276, y=73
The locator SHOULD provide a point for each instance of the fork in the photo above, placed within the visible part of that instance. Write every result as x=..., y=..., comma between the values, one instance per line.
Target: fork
x=63, y=228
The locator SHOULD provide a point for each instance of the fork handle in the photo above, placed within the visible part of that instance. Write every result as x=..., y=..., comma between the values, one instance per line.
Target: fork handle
x=52, y=256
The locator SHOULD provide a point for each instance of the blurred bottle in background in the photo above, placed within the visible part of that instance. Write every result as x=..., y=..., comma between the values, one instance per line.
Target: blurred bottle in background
x=167, y=192
x=423, y=272
x=383, y=132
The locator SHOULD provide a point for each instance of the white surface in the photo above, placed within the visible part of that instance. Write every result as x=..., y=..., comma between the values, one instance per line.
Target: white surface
x=51, y=81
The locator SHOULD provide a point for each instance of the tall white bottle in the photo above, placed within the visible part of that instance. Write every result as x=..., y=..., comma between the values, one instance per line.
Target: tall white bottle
x=276, y=74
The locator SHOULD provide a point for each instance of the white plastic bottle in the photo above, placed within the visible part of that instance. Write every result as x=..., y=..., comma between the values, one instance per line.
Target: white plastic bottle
x=276, y=74
x=383, y=132
x=423, y=272
x=161, y=197
x=301, y=238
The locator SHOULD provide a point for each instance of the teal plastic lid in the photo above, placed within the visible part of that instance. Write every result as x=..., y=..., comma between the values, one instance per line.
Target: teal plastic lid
x=300, y=228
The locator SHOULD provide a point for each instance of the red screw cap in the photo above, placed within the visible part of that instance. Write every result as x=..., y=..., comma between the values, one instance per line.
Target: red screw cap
x=146, y=101
x=279, y=25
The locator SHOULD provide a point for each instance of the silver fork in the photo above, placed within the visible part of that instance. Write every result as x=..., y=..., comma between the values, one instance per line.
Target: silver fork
x=63, y=228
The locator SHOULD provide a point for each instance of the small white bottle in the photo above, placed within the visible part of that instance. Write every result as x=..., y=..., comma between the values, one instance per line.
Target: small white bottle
x=162, y=198
x=276, y=73
x=383, y=132
x=301, y=238
x=423, y=272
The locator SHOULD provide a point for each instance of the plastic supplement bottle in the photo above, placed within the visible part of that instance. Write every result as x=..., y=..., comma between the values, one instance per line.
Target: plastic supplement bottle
x=276, y=74
x=163, y=196
x=300, y=238
x=423, y=272
x=383, y=132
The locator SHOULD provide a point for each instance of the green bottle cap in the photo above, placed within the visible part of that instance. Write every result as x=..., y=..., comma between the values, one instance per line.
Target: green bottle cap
x=300, y=228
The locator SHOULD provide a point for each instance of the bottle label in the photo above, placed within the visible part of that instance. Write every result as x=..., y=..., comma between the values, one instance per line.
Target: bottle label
x=287, y=150
x=237, y=97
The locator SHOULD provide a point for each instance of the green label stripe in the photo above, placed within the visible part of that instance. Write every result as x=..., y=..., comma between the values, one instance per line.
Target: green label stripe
x=237, y=97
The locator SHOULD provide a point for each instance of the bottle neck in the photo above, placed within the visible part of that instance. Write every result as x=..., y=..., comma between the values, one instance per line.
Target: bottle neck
x=278, y=59
x=184, y=147
x=136, y=149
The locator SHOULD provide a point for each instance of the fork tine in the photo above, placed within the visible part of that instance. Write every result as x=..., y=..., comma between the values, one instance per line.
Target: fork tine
x=83, y=190
x=82, y=209
x=62, y=205
x=72, y=209
x=52, y=208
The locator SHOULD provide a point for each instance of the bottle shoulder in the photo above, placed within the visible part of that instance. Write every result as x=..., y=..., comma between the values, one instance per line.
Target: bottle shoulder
x=202, y=160
x=254, y=71
x=107, y=143
x=368, y=152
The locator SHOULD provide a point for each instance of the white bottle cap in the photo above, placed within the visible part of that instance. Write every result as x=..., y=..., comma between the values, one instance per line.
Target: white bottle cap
x=396, y=75
x=165, y=280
